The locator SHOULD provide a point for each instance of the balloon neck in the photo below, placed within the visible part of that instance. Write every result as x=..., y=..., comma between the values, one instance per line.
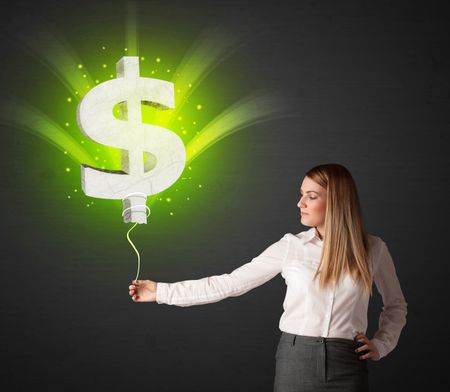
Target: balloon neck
x=134, y=208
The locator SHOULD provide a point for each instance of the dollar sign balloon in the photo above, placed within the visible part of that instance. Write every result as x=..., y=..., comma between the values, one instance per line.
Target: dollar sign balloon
x=164, y=150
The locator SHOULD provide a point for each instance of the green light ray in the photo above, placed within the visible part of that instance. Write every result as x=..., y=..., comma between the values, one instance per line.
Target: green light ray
x=250, y=110
x=60, y=58
x=131, y=29
x=26, y=117
x=209, y=50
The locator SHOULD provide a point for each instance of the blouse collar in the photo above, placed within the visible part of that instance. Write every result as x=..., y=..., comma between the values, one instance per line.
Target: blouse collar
x=311, y=234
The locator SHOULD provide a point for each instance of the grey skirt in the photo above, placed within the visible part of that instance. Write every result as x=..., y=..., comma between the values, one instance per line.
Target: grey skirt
x=307, y=363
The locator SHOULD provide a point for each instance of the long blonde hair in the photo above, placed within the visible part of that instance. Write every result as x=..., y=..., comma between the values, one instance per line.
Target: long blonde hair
x=345, y=246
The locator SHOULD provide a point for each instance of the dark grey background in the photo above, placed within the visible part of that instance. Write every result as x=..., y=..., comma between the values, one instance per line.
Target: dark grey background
x=371, y=79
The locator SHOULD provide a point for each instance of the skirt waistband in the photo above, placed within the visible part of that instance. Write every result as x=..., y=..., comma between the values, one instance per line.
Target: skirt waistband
x=316, y=339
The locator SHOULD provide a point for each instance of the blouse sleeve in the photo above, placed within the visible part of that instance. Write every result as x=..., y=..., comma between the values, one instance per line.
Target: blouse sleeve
x=215, y=288
x=393, y=316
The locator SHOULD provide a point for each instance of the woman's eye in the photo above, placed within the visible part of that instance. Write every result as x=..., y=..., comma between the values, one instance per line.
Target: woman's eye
x=310, y=197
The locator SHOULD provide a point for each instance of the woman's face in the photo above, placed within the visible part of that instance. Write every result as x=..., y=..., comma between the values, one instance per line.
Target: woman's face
x=312, y=203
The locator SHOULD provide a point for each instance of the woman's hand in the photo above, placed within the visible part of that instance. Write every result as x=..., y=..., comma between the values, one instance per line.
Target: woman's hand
x=368, y=346
x=143, y=290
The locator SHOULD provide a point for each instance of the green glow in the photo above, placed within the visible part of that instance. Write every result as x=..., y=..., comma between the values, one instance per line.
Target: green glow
x=131, y=38
x=24, y=116
x=202, y=117
x=210, y=49
x=246, y=112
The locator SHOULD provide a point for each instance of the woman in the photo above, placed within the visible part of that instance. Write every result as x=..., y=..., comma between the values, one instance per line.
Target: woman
x=329, y=270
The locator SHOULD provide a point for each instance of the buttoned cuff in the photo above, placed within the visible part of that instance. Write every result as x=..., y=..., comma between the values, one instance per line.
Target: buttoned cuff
x=161, y=292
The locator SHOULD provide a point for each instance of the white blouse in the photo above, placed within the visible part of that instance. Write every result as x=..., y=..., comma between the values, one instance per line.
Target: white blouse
x=308, y=310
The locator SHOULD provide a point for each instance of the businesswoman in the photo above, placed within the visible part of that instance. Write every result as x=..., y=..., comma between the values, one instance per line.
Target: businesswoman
x=328, y=270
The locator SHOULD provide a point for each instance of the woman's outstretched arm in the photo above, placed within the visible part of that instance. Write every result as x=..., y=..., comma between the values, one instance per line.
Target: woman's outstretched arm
x=215, y=288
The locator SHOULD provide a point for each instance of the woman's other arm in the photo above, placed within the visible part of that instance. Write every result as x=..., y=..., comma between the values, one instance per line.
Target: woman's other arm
x=393, y=316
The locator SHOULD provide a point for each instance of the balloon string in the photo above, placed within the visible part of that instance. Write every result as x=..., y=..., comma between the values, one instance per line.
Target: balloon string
x=139, y=257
